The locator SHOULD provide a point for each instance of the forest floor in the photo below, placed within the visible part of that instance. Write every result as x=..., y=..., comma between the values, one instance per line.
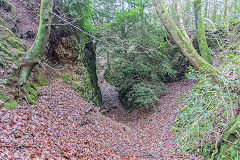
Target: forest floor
x=64, y=126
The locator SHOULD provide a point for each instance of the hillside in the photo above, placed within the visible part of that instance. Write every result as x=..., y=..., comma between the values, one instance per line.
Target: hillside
x=91, y=95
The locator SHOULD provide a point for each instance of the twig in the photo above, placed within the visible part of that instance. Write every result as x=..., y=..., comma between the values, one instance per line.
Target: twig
x=229, y=141
x=17, y=146
x=26, y=99
x=42, y=64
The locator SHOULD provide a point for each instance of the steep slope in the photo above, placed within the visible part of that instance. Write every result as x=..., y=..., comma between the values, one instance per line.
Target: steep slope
x=64, y=126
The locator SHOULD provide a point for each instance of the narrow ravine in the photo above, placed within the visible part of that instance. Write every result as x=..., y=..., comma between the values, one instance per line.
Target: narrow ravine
x=152, y=127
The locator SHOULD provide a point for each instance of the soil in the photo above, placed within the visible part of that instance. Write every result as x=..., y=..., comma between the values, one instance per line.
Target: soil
x=64, y=126
x=151, y=126
x=28, y=21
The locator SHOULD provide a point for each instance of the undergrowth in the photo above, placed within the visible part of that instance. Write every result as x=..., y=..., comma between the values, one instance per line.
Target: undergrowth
x=209, y=107
x=139, y=77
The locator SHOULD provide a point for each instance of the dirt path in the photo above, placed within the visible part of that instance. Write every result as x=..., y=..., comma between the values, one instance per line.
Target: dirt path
x=151, y=127
x=64, y=126
x=109, y=92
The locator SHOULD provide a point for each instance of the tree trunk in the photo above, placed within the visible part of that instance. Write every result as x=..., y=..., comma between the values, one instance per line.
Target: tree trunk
x=236, y=45
x=91, y=79
x=187, y=49
x=202, y=42
x=179, y=15
x=214, y=15
x=225, y=10
x=206, y=9
x=27, y=63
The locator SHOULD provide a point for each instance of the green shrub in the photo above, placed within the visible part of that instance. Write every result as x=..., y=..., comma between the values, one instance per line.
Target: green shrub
x=208, y=109
x=139, y=76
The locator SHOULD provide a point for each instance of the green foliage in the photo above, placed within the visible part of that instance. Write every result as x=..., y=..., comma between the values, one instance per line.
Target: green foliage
x=139, y=77
x=208, y=109
x=67, y=79
x=229, y=150
x=120, y=16
x=139, y=62
x=81, y=11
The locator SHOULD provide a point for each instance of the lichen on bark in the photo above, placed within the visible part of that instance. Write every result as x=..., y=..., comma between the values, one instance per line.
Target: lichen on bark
x=186, y=48
x=91, y=79
x=202, y=42
x=229, y=144
x=39, y=47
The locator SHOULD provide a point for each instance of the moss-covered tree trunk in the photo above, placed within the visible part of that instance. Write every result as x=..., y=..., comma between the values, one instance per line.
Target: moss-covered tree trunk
x=27, y=63
x=186, y=48
x=206, y=9
x=202, y=42
x=91, y=79
x=214, y=15
x=225, y=10
x=179, y=15
x=236, y=45
x=228, y=146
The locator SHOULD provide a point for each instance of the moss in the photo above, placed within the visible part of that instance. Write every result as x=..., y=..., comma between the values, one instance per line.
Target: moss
x=31, y=99
x=54, y=75
x=114, y=107
x=67, y=79
x=2, y=22
x=11, y=49
x=10, y=104
x=90, y=79
x=41, y=81
x=12, y=40
x=31, y=93
x=231, y=150
x=202, y=42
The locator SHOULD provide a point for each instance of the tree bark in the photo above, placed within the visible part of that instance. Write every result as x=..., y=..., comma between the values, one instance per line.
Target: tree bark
x=236, y=45
x=214, y=15
x=202, y=42
x=225, y=10
x=91, y=79
x=181, y=24
x=186, y=48
x=27, y=63
x=206, y=9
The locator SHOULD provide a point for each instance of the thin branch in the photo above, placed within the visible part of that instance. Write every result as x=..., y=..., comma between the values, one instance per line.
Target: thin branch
x=229, y=142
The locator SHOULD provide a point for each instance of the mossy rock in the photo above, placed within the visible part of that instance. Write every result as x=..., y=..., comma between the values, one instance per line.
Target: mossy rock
x=31, y=93
x=40, y=81
x=11, y=38
x=85, y=89
x=10, y=104
x=11, y=49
